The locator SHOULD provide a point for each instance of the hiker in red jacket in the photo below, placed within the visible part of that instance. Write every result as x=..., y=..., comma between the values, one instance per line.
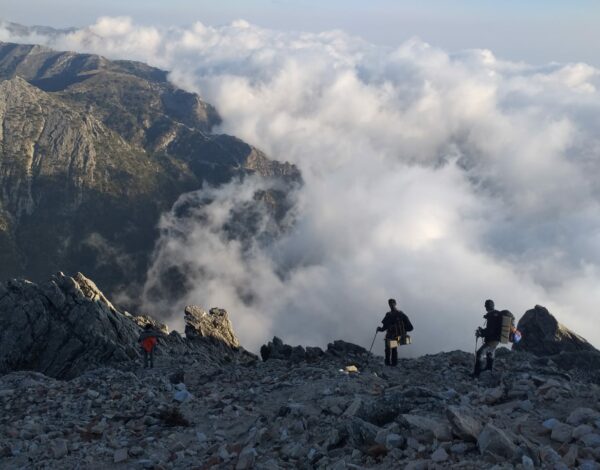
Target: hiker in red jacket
x=148, y=340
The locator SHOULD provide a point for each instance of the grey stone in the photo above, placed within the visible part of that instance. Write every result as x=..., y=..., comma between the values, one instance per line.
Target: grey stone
x=428, y=428
x=590, y=440
x=551, y=423
x=354, y=407
x=527, y=463
x=495, y=441
x=582, y=415
x=463, y=423
x=549, y=456
x=246, y=459
x=394, y=440
x=440, y=455
x=582, y=430
x=562, y=433
x=59, y=448
x=120, y=455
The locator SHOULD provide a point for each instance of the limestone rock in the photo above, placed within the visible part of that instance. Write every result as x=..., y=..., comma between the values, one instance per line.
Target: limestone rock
x=214, y=325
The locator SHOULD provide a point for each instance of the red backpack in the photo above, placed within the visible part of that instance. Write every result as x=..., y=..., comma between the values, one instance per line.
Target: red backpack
x=149, y=343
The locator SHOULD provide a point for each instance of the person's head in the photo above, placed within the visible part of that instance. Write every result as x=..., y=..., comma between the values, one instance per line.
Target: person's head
x=148, y=326
x=489, y=305
x=392, y=303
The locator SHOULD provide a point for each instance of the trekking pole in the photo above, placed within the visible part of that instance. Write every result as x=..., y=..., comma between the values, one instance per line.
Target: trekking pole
x=371, y=348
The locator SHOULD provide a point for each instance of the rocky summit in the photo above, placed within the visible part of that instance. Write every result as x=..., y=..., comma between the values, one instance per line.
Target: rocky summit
x=74, y=394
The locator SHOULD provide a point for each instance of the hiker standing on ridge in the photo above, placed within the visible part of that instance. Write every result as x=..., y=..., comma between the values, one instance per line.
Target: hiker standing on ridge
x=396, y=324
x=492, y=336
x=148, y=340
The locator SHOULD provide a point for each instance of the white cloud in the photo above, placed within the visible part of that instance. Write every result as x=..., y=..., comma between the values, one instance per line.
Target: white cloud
x=438, y=179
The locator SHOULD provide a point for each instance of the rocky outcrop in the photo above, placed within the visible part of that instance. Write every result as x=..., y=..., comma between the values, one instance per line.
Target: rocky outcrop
x=66, y=326
x=213, y=325
x=543, y=335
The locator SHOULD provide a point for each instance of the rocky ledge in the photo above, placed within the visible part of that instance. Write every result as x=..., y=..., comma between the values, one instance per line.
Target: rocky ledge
x=210, y=405
x=67, y=326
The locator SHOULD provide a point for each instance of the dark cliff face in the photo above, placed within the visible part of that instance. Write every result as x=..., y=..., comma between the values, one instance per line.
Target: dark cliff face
x=92, y=151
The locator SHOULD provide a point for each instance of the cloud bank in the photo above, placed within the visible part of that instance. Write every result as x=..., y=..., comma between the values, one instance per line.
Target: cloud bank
x=439, y=179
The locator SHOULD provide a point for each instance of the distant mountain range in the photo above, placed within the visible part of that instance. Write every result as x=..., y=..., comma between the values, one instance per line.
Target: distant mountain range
x=92, y=151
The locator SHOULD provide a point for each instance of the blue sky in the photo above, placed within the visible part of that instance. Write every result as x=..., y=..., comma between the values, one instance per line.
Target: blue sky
x=537, y=31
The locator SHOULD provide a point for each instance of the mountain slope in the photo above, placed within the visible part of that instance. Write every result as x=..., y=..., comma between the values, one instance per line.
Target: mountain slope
x=92, y=152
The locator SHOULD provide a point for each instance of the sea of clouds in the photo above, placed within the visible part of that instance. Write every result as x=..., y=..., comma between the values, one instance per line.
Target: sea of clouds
x=441, y=179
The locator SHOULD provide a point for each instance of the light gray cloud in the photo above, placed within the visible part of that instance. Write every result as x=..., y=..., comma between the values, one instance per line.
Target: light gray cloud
x=440, y=179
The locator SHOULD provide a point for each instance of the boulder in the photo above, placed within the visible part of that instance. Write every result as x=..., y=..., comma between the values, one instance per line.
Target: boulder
x=464, y=425
x=582, y=416
x=562, y=433
x=543, y=335
x=493, y=440
x=427, y=429
x=359, y=432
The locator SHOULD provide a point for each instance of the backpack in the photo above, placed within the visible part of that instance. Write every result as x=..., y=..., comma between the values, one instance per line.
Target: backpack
x=507, y=326
x=149, y=343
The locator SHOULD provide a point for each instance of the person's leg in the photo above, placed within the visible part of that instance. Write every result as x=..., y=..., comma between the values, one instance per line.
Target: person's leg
x=478, y=358
x=145, y=358
x=387, y=353
x=394, y=356
x=489, y=356
x=152, y=358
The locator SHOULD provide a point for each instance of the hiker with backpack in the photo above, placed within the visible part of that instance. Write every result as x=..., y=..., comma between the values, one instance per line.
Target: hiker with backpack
x=396, y=325
x=498, y=329
x=148, y=340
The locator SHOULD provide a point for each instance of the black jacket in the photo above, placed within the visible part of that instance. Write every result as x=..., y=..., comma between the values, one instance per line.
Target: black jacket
x=493, y=326
x=396, y=323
